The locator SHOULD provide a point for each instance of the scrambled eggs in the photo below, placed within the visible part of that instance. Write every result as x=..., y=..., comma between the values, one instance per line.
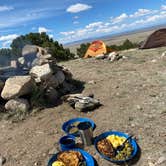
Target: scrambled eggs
x=58, y=163
x=116, y=140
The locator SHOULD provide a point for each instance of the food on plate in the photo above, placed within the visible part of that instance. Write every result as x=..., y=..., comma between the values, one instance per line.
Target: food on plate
x=72, y=129
x=70, y=158
x=58, y=163
x=106, y=148
x=108, y=145
x=116, y=140
x=125, y=153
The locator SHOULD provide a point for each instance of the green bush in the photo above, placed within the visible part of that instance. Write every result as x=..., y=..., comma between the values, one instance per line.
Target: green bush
x=42, y=40
x=127, y=44
x=82, y=49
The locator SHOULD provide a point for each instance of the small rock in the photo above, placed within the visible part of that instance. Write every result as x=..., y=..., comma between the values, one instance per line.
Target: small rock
x=161, y=160
x=113, y=56
x=91, y=82
x=163, y=54
x=86, y=105
x=150, y=163
x=139, y=107
x=2, y=160
x=17, y=105
x=152, y=95
x=36, y=163
x=132, y=125
x=100, y=56
x=131, y=118
x=154, y=61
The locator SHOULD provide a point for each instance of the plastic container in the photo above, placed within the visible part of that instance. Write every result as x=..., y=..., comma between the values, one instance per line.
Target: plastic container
x=66, y=126
x=67, y=142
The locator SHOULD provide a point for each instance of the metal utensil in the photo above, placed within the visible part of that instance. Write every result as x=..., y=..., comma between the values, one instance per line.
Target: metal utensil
x=121, y=147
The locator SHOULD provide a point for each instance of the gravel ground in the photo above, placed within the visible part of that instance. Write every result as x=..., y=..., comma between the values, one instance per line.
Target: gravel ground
x=133, y=94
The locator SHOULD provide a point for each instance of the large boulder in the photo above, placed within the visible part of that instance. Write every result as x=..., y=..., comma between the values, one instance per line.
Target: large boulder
x=17, y=105
x=60, y=77
x=34, y=55
x=29, y=49
x=42, y=72
x=17, y=86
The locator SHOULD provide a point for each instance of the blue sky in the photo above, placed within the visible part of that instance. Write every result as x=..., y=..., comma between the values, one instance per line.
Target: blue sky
x=72, y=20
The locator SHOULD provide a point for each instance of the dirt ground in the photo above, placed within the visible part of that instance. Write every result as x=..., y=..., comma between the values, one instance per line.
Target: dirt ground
x=133, y=94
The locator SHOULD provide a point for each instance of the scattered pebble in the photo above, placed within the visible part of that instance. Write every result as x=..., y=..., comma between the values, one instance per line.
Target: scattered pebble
x=2, y=160
x=139, y=107
x=154, y=61
x=161, y=160
x=91, y=82
x=151, y=164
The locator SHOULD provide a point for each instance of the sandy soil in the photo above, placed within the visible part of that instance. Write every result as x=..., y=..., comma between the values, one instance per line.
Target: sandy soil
x=133, y=93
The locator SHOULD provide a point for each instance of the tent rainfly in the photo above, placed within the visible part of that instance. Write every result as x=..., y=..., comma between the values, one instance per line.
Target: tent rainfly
x=156, y=39
x=96, y=48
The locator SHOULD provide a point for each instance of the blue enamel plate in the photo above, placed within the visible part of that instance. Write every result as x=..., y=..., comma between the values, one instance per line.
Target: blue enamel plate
x=131, y=141
x=68, y=125
x=87, y=157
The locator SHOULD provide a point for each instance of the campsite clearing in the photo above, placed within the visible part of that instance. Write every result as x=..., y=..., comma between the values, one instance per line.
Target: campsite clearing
x=133, y=93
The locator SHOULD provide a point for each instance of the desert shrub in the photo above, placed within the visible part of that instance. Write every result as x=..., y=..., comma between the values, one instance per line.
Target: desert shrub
x=127, y=44
x=82, y=49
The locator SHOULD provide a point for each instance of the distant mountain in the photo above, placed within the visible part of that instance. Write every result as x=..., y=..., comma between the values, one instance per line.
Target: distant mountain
x=116, y=35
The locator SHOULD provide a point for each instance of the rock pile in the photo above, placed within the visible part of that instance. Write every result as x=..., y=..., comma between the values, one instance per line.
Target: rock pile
x=113, y=56
x=44, y=79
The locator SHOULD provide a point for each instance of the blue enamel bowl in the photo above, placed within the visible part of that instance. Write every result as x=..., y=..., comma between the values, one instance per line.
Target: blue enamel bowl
x=87, y=157
x=66, y=126
x=67, y=142
x=131, y=141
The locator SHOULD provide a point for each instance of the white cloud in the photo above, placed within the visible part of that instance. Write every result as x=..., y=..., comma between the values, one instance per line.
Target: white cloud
x=142, y=12
x=8, y=37
x=6, y=40
x=94, y=24
x=75, y=22
x=75, y=17
x=6, y=8
x=78, y=8
x=119, y=19
x=67, y=33
x=163, y=7
x=43, y=29
x=140, y=18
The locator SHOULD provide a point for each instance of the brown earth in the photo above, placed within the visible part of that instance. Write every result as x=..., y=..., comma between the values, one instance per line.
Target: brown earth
x=133, y=93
